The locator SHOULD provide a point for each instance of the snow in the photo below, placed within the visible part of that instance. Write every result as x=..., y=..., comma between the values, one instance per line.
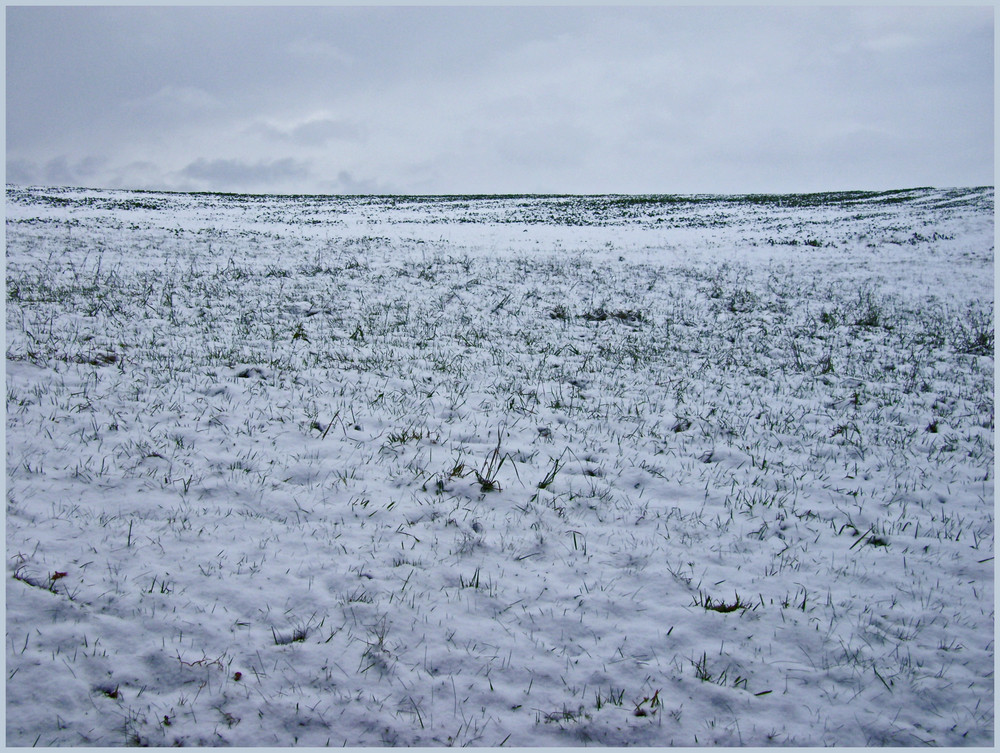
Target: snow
x=553, y=471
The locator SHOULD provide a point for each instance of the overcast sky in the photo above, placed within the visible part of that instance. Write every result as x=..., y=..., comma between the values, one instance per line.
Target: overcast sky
x=500, y=100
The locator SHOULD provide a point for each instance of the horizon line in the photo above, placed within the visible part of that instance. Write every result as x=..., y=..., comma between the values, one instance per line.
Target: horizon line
x=506, y=194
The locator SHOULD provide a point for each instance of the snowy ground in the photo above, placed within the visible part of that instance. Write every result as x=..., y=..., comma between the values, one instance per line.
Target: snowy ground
x=509, y=471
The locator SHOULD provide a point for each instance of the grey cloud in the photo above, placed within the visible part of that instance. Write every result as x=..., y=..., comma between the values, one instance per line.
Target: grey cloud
x=21, y=172
x=316, y=132
x=231, y=174
x=174, y=102
x=346, y=183
x=58, y=171
x=559, y=145
x=318, y=49
x=139, y=174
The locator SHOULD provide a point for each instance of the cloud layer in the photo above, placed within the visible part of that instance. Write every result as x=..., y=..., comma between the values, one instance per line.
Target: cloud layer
x=460, y=99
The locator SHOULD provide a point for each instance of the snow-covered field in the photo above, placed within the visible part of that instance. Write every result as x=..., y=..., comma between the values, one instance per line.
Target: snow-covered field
x=499, y=471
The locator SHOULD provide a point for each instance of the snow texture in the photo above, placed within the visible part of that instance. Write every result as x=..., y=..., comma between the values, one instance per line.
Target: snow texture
x=553, y=471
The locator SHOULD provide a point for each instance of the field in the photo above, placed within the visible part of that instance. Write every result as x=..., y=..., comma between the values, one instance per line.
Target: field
x=500, y=471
